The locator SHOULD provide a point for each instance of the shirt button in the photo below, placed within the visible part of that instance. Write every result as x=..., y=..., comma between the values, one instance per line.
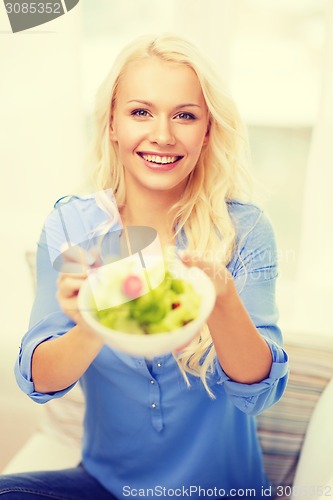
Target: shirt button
x=152, y=382
x=159, y=364
x=153, y=405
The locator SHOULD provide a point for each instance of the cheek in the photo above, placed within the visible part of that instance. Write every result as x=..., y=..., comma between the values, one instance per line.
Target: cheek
x=195, y=141
x=129, y=136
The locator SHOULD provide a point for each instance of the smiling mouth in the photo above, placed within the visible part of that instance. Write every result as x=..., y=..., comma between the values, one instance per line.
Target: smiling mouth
x=162, y=160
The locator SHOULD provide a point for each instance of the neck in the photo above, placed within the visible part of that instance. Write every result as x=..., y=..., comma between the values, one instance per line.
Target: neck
x=149, y=209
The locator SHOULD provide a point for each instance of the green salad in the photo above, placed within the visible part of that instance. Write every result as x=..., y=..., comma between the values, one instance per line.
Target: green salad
x=169, y=306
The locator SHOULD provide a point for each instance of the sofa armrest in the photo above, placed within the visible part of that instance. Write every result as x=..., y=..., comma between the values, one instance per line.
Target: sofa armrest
x=43, y=452
x=283, y=427
x=315, y=468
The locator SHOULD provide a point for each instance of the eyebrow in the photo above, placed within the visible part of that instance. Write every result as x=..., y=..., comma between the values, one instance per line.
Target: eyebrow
x=150, y=104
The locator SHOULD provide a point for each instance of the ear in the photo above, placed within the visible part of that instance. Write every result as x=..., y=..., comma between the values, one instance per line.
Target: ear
x=206, y=139
x=113, y=135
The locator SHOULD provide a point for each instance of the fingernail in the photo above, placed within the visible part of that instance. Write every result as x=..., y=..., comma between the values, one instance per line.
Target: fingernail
x=181, y=253
x=89, y=258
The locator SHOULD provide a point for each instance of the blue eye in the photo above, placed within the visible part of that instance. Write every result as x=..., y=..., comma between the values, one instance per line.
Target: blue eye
x=139, y=112
x=186, y=116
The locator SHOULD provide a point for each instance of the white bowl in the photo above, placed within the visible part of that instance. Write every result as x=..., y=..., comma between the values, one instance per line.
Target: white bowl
x=156, y=344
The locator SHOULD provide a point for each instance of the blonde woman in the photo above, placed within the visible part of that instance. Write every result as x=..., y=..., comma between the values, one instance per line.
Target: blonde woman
x=170, y=144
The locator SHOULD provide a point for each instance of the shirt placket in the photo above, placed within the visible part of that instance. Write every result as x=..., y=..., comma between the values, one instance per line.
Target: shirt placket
x=154, y=392
x=155, y=395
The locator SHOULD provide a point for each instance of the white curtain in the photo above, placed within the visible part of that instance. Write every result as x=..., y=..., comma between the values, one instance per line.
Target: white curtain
x=314, y=292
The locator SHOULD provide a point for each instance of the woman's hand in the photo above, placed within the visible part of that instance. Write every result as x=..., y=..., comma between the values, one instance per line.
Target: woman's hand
x=218, y=273
x=69, y=285
x=77, y=263
x=243, y=353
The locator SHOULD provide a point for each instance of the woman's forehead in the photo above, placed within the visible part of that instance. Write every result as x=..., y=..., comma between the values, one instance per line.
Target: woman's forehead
x=153, y=78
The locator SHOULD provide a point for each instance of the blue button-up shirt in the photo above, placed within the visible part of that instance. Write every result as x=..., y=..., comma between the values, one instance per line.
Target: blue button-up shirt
x=146, y=431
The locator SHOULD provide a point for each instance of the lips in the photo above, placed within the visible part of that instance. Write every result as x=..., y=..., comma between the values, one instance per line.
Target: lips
x=159, y=159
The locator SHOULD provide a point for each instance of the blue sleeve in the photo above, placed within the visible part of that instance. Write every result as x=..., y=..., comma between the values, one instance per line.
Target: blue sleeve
x=73, y=221
x=47, y=321
x=254, y=268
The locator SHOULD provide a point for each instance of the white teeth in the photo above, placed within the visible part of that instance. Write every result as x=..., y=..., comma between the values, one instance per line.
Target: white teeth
x=160, y=159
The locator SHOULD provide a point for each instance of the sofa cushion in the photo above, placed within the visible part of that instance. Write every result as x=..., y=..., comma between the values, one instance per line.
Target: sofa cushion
x=282, y=428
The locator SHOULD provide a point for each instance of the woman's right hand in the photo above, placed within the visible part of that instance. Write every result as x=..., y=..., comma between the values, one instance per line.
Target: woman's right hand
x=77, y=263
x=69, y=285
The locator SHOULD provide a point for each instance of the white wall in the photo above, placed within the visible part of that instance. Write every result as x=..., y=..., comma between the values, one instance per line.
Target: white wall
x=315, y=272
x=41, y=133
x=41, y=146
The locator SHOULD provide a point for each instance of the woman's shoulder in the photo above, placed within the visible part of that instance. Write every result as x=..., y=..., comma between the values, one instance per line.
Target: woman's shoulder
x=249, y=218
x=77, y=220
x=244, y=213
x=81, y=205
x=85, y=212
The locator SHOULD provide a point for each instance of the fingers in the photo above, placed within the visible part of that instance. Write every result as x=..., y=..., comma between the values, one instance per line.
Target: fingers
x=184, y=256
x=95, y=252
x=74, y=268
x=68, y=288
x=190, y=261
x=216, y=271
x=78, y=260
x=77, y=254
x=69, y=284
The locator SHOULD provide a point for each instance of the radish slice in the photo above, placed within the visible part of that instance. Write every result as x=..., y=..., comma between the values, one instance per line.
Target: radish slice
x=132, y=286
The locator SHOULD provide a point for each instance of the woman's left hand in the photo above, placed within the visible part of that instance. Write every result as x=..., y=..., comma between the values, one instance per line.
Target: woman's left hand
x=243, y=353
x=218, y=273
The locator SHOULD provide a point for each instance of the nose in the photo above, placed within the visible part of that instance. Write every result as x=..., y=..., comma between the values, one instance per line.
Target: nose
x=161, y=132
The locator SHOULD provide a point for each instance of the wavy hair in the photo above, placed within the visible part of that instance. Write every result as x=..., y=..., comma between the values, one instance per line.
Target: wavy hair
x=220, y=174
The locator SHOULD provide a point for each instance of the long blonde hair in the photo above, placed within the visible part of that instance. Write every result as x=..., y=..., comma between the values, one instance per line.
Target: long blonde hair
x=220, y=174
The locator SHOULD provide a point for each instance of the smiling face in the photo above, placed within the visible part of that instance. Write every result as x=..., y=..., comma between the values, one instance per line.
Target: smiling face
x=159, y=124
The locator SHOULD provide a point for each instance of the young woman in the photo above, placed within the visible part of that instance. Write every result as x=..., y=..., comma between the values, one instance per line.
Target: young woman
x=171, y=146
